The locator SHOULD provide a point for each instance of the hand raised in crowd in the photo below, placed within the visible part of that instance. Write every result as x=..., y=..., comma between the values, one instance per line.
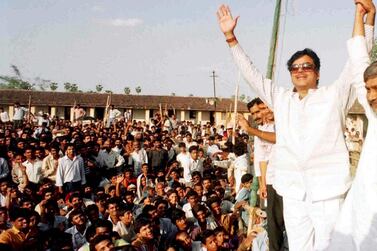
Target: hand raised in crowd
x=242, y=122
x=226, y=22
x=367, y=5
x=119, y=178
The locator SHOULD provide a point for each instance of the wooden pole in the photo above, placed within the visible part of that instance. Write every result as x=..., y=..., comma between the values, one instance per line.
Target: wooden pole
x=235, y=115
x=29, y=110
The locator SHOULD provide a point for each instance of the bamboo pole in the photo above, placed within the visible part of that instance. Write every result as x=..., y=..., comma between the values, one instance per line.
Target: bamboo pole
x=235, y=115
x=29, y=110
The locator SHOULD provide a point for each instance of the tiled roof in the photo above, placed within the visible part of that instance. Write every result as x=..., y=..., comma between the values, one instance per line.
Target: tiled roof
x=41, y=98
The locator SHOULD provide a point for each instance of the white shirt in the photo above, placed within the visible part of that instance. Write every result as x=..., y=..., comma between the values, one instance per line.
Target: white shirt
x=211, y=149
x=310, y=157
x=78, y=239
x=241, y=166
x=70, y=171
x=113, y=113
x=4, y=117
x=262, y=152
x=110, y=160
x=139, y=158
x=33, y=170
x=193, y=165
x=19, y=113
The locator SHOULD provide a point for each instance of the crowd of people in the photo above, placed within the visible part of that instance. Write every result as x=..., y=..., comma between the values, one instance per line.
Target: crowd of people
x=161, y=185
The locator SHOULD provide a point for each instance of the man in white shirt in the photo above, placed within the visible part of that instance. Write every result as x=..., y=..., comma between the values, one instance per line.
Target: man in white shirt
x=70, y=174
x=4, y=117
x=138, y=157
x=262, y=153
x=212, y=147
x=356, y=226
x=195, y=164
x=108, y=158
x=113, y=114
x=311, y=159
x=33, y=167
x=18, y=116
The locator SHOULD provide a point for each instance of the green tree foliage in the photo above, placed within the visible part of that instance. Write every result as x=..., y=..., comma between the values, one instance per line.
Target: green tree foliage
x=69, y=87
x=99, y=88
x=127, y=90
x=53, y=86
x=138, y=89
x=15, y=82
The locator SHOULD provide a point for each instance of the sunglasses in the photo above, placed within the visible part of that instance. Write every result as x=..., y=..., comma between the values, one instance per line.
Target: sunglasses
x=306, y=67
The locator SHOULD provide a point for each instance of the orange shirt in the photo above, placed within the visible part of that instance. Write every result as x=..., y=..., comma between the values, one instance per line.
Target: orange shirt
x=14, y=238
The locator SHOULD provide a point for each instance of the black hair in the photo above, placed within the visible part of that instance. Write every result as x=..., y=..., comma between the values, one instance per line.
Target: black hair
x=205, y=234
x=240, y=148
x=141, y=222
x=74, y=213
x=246, y=178
x=305, y=52
x=256, y=101
x=16, y=213
x=98, y=239
x=193, y=148
x=177, y=214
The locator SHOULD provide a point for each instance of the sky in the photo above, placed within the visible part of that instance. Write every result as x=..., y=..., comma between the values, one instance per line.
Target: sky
x=164, y=46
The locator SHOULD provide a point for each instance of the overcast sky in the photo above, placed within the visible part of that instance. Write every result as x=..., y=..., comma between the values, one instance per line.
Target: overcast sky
x=164, y=46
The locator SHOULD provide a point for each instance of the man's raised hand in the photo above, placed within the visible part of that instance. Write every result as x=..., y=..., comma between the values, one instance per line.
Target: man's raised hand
x=226, y=22
x=367, y=5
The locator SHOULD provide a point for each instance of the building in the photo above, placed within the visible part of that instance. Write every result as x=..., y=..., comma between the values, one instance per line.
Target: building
x=196, y=109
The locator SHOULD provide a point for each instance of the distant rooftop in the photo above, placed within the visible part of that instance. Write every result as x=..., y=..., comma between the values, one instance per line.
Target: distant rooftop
x=47, y=98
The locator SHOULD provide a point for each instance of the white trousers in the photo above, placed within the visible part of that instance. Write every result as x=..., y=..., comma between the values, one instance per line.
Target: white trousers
x=309, y=224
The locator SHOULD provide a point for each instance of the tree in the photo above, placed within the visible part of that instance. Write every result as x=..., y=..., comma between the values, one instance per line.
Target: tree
x=53, y=86
x=15, y=82
x=74, y=88
x=191, y=95
x=99, y=88
x=242, y=97
x=67, y=86
x=42, y=84
x=71, y=87
x=127, y=90
x=108, y=91
x=138, y=89
x=173, y=93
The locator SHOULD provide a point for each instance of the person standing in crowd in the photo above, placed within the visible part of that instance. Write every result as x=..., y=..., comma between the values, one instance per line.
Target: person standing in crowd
x=50, y=163
x=19, y=114
x=4, y=117
x=33, y=167
x=113, y=114
x=108, y=158
x=305, y=144
x=70, y=174
x=262, y=154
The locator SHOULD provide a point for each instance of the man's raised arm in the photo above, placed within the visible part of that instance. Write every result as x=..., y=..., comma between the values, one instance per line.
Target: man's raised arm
x=264, y=87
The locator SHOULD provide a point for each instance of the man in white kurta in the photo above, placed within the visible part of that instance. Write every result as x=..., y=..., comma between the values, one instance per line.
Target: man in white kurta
x=356, y=228
x=310, y=159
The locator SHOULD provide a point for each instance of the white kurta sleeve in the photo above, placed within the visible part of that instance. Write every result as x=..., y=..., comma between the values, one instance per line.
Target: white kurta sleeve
x=264, y=87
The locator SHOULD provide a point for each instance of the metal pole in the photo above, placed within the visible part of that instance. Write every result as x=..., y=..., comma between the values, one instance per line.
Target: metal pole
x=214, y=87
x=274, y=40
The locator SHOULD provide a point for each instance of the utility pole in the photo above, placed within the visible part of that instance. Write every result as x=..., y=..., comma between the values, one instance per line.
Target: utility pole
x=214, y=76
x=274, y=40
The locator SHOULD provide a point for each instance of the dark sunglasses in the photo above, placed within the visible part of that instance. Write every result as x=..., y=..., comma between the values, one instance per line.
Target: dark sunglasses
x=306, y=67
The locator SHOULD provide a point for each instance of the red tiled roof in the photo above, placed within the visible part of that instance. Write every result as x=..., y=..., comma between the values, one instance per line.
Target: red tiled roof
x=41, y=98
